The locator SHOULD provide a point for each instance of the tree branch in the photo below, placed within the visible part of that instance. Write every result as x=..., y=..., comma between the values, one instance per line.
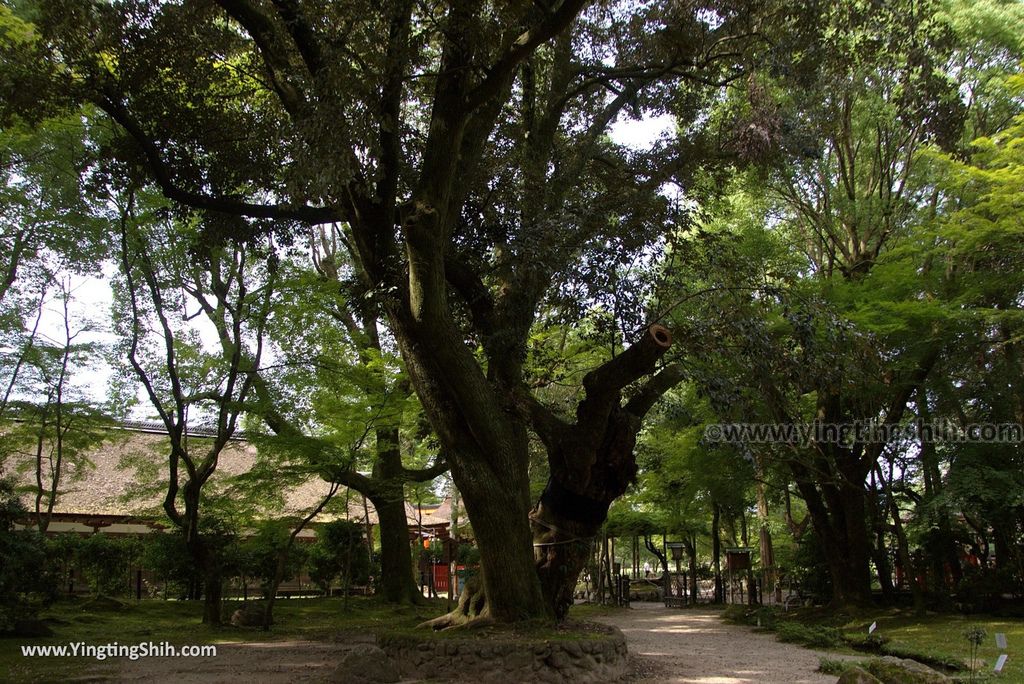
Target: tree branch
x=469, y=285
x=520, y=49
x=635, y=362
x=112, y=104
x=263, y=32
x=654, y=389
x=440, y=465
x=301, y=31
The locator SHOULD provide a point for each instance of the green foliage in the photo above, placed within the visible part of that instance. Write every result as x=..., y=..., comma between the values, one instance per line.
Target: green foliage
x=166, y=556
x=259, y=552
x=107, y=561
x=339, y=550
x=468, y=555
x=815, y=636
x=832, y=667
x=25, y=580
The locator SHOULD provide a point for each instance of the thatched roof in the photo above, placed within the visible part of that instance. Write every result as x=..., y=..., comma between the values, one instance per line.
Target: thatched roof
x=127, y=475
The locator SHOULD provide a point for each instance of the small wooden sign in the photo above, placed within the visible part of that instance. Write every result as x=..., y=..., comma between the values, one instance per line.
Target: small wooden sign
x=737, y=559
x=873, y=627
x=1001, y=640
x=1001, y=663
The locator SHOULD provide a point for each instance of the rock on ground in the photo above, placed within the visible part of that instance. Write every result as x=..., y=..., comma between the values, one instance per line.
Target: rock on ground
x=856, y=675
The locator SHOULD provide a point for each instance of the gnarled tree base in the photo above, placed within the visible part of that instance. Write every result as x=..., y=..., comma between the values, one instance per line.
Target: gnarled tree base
x=471, y=612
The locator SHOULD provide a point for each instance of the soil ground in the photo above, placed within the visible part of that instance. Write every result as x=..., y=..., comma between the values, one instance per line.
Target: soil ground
x=696, y=646
x=666, y=645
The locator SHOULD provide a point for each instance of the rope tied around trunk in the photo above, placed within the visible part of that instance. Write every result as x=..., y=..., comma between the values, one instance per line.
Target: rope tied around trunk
x=557, y=530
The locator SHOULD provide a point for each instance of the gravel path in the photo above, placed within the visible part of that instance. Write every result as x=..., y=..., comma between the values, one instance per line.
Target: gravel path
x=696, y=646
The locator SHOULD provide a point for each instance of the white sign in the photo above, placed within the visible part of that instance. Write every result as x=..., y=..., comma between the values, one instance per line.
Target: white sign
x=873, y=627
x=1000, y=640
x=1000, y=663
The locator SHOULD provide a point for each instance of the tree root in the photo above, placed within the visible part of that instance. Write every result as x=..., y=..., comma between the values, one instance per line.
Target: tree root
x=471, y=613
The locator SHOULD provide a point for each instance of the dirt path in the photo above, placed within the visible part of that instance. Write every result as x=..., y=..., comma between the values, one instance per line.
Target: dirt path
x=696, y=646
x=272, y=662
x=666, y=645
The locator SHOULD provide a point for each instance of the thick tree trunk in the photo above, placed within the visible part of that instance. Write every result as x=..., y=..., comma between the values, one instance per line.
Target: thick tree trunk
x=212, y=599
x=902, y=546
x=566, y=520
x=398, y=584
x=691, y=548
x=842, y=534
x=716, y=552
x=500, y=521
x=765, y=546
x=879, y=551
x=592, y=464
x=944, y=550
x=498, y=507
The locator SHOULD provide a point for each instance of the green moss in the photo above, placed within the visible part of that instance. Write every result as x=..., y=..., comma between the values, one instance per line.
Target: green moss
x=179, y=622
x=937, y=639
x=815, y=636
x=894, y=674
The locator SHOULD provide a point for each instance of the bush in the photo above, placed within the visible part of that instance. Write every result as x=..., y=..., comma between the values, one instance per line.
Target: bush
x=815, y=636
x=872, y=643
x=258, y=555
x=25, y=582
x=810, y=571
x=106, y=562
x=765, y=616
x=62, y=556
x=166, y=555
x=736, y=614
x=761, y=616
x=832, y=667
x=983, y=590
x=340, y=549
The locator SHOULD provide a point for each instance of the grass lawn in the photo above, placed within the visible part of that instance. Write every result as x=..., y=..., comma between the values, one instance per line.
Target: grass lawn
x=178, y=622
x=942, y=637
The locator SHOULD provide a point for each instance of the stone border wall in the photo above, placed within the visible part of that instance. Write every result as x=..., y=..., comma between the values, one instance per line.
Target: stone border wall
x=595, y=658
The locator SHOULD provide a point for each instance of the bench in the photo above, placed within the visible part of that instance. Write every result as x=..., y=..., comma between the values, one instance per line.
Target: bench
x=675, y=601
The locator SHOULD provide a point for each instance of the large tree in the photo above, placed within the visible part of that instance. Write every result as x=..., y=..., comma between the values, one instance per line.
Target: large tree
x=463, y=150
x=338, y=370
x=168, y=270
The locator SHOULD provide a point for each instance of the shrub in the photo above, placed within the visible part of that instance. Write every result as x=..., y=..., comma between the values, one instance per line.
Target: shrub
x=166, y=555
x=62, y=555
x=106, y=562
x=832, y=667
x=872, y=643
x=765, y=616
x=340, y=549
x=25, y=582
x=815, y=636
x=259, y=554
x=983, y=590
x=734, y=613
